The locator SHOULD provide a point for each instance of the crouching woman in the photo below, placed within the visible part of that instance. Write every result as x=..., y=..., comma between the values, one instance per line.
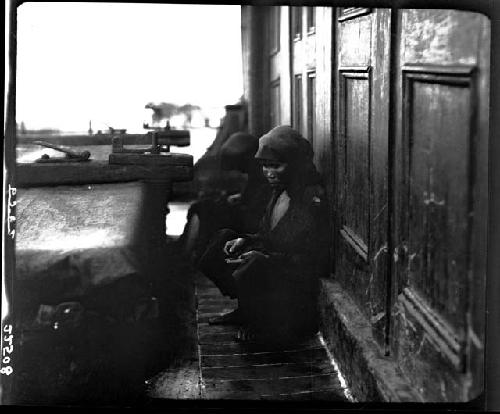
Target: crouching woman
x=274, y=274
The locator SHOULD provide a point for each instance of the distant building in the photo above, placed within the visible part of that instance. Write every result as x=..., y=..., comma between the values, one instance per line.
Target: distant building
x=185, y=116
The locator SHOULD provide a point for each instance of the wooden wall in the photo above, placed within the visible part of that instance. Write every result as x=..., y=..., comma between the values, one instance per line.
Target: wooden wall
x=398, y=119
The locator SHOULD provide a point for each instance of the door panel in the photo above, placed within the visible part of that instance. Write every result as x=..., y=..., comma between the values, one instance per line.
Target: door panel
x=275, y=103
x=278, y=55
x=438, y=113
x=355, y=40
x=298, y=103
x=303, y=53
x=355, y=92
x=362, y=74
x=311, y=104
x=439, y=78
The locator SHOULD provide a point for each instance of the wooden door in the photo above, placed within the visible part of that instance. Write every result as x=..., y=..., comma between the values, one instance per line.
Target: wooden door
x=441, y=200
x=303, y=69
x=278, y=61
x=361, y=154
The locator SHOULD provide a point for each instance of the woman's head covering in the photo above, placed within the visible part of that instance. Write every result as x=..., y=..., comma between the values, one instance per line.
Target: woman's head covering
x=284, y=144
x=238, y=151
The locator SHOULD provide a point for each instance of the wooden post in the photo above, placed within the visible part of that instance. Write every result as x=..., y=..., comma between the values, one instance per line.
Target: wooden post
x=253, y=43
x=152, y=233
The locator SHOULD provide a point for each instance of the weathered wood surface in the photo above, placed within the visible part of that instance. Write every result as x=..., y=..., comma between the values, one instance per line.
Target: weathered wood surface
x=313, y=354
x=33, y=175
x=101, y=139
x=28, y=153
x=441, y=194
x=128, y=167
x=156, y=160
x=361, y=160
x=230, y=370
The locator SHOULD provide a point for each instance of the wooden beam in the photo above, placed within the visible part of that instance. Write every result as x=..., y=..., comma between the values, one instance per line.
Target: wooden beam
x=178, y=138
x=34, y=175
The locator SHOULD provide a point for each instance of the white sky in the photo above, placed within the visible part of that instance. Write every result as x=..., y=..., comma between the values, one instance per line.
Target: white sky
x=104, y=61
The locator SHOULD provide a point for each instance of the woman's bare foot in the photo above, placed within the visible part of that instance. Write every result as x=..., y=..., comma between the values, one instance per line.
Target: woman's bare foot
x=230, y=318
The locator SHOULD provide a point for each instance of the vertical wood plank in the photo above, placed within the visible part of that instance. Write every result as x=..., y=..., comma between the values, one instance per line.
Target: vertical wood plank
x=323, y=120
x=323, y=96
x=379, y=167
x=285, y=81
x=479, y=242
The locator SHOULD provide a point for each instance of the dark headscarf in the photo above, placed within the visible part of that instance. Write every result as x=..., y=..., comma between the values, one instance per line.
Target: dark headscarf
x=284, y=144
x=238, y=151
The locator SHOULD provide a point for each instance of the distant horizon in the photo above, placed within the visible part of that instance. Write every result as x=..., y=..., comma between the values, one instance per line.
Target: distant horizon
x=113, y=59
x=213, y=114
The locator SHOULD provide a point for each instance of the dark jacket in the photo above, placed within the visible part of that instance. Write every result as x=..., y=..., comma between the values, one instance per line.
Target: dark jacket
x=298, y=245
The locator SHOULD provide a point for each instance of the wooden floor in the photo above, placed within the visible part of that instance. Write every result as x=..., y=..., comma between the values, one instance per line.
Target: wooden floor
x=226, y=369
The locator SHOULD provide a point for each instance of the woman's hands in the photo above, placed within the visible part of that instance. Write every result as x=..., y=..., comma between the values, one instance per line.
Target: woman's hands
x=251, y=255
x=232, y=246
x=234, y=199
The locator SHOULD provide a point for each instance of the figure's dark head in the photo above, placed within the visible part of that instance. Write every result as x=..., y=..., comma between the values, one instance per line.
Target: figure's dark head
x=237, y=153
x=285, y=144
x=286, y=158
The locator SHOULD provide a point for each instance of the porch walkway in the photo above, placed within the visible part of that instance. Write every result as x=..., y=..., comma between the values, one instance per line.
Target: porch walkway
x=226, y=369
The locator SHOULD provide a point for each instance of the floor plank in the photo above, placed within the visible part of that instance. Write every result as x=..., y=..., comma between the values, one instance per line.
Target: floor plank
x=311, y=355
x=229, y=370
x=261, y=387
x=266, y=371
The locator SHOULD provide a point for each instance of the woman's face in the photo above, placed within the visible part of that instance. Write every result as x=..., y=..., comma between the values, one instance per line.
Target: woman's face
x=275, y=172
